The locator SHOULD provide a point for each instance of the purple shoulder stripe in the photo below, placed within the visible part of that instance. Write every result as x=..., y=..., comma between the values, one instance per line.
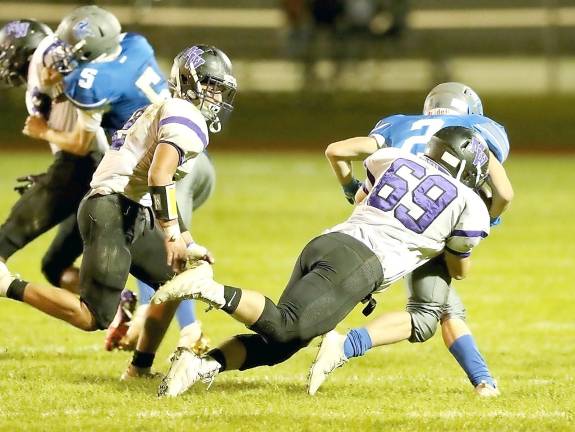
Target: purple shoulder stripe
x=189, y=124
x=370, y=176
x=459, y=254
x=462, y=233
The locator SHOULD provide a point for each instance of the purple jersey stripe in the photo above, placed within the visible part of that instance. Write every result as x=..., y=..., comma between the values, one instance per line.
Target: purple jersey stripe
x=462, y=233
x=370, y=176
x=459, y=254
x=188, y=123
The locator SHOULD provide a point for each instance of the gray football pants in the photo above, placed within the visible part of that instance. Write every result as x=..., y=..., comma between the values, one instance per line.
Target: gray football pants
x=431, y=298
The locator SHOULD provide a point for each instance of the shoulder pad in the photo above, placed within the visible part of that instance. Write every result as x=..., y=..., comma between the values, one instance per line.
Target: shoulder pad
x=82, y=89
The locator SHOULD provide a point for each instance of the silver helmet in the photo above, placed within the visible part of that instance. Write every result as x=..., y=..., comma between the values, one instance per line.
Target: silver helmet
x=452, y=98
x=90, y=32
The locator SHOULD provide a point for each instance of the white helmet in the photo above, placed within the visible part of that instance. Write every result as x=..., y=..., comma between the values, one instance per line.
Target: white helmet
x=452, y=98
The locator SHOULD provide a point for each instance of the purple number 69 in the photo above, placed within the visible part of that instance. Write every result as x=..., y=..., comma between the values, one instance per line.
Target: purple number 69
x=430, y=197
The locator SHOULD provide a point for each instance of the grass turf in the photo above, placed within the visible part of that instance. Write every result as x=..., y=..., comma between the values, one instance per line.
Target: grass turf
x=266, y=207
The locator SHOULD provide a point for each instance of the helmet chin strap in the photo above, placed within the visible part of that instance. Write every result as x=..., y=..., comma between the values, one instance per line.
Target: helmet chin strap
x=215, y=125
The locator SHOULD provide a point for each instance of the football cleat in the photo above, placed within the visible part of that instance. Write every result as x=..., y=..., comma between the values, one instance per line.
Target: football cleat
x=6, y=279
x=193, y=338
x=329, y=357
x=484, y=389
x=120, y=324
x=195, y=283
x=187, y=369
x=135, y=327
x=133, y=372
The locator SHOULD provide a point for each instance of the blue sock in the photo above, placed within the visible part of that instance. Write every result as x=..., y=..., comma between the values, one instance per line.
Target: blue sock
x=469, y=358
x=186, y=312
x=356, y=343
x=146, y=293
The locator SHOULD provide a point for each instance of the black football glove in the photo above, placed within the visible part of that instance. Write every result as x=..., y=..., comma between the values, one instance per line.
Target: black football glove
x=350, y=189
x=26, y=182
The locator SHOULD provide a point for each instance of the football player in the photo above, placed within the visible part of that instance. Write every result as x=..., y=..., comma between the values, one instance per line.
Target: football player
x=53, y=198
x=132, y=188
x=411, y=209
x=431, y=297
x=107, y=75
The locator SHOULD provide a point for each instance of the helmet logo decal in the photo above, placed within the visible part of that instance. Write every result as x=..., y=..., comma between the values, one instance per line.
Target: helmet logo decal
x=478, y=147
x=82, y=30
x=18, y=29
x=194, y=58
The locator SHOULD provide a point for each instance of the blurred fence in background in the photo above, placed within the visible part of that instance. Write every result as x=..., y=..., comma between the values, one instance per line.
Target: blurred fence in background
x=311, y=71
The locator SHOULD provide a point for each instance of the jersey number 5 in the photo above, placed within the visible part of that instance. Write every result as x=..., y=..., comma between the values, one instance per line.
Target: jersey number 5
x=87, y=77
x=430, y=194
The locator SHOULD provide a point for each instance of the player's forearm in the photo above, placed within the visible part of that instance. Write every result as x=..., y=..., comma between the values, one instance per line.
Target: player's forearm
x=457, y=267
x=340, y=154
x=74, y=142
x=501, y=188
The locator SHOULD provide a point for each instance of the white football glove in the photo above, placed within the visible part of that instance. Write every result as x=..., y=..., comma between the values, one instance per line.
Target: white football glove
x=197, y=253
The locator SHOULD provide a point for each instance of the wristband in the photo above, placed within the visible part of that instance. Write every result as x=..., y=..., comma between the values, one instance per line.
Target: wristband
x=164, y=202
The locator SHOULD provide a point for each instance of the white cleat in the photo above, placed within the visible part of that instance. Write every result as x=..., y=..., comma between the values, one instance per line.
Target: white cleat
x=329, y=357
x=6, y=279
x=486, y=390
x=195, y=283
x=186, y=370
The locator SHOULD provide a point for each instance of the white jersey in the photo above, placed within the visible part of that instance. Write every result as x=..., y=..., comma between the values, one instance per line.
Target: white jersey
x=124, y=168
x=412, y=212
x=63, y=114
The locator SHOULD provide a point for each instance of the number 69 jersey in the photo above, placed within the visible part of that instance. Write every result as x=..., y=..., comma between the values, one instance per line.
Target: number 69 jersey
x=413, y=211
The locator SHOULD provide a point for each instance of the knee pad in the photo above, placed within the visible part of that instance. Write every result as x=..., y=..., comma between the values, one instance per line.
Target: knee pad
x=424, y=320
x=454, y=311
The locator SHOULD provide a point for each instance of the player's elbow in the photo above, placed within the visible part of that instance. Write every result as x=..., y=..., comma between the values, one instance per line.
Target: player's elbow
x=331, y=152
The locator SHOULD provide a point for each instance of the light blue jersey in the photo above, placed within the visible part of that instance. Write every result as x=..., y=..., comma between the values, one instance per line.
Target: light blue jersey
x=119, y=86
x=412, y=132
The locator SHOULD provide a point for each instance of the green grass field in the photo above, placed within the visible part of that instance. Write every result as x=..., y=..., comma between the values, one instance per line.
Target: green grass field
x=267, y=206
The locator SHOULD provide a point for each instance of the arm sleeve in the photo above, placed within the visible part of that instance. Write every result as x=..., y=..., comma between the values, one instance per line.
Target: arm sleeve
x=90, y=120
x=83, y=87
x=471, y=228
x=380, y=132
x=496, y=138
